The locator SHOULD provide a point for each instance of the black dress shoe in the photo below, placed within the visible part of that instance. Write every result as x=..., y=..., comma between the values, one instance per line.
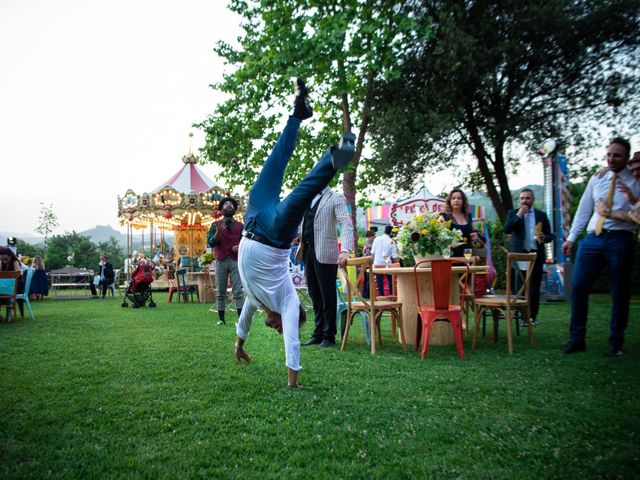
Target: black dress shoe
x=312, y=341
x=301, y=108
x=343, y=155
x=573, y=348
x=615, y=351
x=327, y=344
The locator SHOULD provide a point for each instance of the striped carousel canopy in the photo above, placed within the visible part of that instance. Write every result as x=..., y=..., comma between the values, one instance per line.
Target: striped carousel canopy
x=189, y=178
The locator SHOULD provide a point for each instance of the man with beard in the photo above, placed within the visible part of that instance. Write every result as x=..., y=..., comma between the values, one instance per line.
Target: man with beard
x=270, y=224
x=609, y=241
x=224, y=236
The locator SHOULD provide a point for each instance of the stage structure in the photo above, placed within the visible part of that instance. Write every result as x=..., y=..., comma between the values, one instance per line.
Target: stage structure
x=187, y=204
x=557, y=202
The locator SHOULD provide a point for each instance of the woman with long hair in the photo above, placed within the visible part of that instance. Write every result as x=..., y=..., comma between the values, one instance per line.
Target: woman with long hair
x=39, y=286
x=458, y=212
x=9, y=262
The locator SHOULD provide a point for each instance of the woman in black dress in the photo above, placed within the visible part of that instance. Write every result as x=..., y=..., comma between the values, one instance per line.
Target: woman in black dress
x=39, y=287
x=456, y=210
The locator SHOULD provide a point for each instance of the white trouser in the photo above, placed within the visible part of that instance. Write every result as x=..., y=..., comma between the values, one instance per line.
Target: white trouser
x=266, y=280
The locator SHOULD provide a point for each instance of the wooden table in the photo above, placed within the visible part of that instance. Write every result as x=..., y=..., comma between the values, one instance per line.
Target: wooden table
x=205, y=286
x=441, y=334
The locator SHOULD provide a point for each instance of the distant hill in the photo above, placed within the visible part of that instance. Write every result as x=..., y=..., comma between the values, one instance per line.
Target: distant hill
x=102, y=233
x=97, y=234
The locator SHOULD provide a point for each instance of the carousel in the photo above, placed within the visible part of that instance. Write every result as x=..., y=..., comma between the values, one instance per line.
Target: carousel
x=186, y=204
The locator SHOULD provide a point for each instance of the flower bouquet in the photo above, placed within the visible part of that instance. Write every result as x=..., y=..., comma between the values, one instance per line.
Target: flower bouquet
x=205, y=259
x=427, y=234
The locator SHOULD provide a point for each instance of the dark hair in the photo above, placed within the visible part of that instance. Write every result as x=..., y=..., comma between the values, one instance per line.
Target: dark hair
x=533, y=195
x=228, y=199
x=12, y=256
x=370, y=233
x=388, y=229
x=622, y=141
x=302, y=317
x=465, y=202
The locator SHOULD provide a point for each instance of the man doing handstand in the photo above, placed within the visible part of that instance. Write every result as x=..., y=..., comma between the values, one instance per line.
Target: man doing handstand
x=269, y=228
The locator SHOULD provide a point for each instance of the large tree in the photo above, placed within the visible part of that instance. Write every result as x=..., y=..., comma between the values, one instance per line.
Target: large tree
x=500, y=74
x=343, y=49
x=80, y=249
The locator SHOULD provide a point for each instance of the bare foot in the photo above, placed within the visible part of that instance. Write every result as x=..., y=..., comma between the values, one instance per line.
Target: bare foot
x=242, y=355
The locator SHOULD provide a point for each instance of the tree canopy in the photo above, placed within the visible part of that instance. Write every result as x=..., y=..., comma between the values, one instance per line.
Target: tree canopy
x=499, y=74
x=343, y=50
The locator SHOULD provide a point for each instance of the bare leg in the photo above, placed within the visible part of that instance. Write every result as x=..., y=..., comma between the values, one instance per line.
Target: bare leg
x=293, y=379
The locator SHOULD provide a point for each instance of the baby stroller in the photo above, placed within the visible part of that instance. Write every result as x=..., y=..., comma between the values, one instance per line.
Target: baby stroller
x=139, y=290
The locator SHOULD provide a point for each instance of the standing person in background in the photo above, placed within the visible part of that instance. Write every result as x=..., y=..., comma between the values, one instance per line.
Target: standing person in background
x=530, y=230
x=634, y=214
x=610, y=242
x=39, y=285
x=128, y=266
x=107, y=277
x=224, y=236
x=456, y=210
x=382, y=250
x=319, y=249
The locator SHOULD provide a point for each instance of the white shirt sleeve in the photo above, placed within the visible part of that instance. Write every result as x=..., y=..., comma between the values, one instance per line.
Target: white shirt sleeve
x=584, y=212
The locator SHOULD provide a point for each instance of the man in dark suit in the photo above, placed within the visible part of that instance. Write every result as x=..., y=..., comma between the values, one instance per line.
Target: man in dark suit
x=107, y=277
x=530, y=230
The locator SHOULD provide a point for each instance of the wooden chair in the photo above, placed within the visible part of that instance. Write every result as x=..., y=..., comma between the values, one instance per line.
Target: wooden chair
x=466, y=284
x=374, y=307
x=9, y=291
x=394, y=296
x=522, y=263
x=429, y=313
x=342, y=309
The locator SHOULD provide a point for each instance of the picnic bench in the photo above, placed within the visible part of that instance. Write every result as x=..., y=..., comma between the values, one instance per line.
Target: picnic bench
x=71, y=282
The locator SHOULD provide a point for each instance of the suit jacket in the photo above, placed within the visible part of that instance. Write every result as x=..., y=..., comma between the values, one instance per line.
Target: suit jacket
x=332, y=210
x=109, y=274
x=515, y=226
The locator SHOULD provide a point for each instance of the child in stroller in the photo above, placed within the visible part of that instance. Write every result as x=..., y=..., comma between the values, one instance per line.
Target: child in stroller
x=139, y=290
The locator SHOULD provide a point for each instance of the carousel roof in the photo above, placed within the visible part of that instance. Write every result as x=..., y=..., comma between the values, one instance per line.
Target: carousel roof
x=188, y=199
x=189, y=178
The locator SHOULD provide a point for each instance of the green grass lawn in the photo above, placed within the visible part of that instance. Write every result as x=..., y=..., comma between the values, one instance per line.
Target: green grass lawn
x=92, y=390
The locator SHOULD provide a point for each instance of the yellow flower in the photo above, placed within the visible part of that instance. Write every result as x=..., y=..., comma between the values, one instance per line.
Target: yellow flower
x=394, y=229
x=423, y=231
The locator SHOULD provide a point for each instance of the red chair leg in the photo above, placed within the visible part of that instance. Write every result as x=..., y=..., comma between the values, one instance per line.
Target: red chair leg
x=426, y=336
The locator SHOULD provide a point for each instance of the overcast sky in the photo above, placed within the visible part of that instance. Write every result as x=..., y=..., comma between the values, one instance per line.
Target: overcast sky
x=97, y=97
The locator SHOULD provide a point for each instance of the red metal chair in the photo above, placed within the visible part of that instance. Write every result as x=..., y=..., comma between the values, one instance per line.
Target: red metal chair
x=441, y=281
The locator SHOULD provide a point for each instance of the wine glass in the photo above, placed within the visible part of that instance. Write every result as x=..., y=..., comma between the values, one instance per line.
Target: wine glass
x=446, y=252
x=467, y=254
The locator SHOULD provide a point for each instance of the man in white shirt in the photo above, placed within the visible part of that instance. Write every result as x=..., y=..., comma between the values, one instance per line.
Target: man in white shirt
x=383, y=251
x=609, y=241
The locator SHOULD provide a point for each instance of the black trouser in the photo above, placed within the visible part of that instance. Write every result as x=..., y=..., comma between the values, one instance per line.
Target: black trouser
x=534, y=286
x=104, y=284
x=321, y=282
